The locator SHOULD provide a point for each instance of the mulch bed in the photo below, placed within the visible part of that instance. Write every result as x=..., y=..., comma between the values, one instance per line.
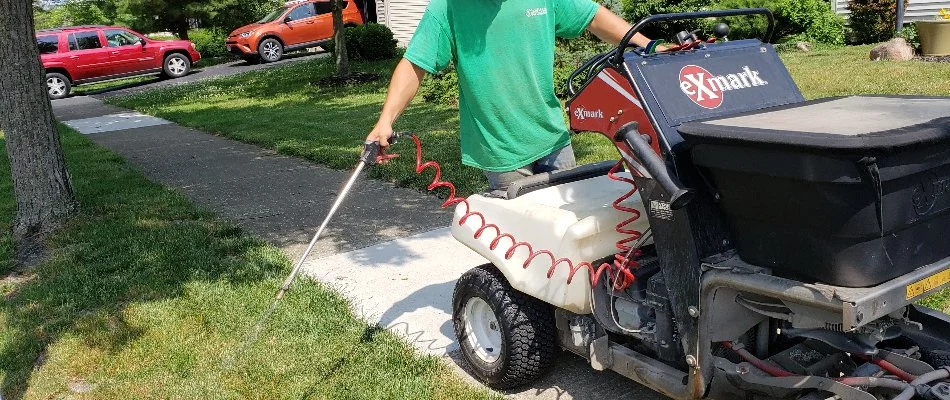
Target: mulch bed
x=942, y=59
x=354, y=79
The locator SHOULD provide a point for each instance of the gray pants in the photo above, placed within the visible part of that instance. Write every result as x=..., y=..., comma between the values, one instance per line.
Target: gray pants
x=562, y=158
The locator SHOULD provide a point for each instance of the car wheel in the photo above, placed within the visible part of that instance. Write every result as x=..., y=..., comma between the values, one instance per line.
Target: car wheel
x=57, y=85
x=270, y=50
x=176, y=66
x=507, y=337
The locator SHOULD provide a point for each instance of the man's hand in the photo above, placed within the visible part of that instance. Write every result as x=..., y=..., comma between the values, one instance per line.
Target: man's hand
x=381, y=133
x=402, y=88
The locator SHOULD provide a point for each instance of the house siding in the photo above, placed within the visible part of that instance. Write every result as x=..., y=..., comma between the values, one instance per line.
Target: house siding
x=401, y=16
x=917, y=10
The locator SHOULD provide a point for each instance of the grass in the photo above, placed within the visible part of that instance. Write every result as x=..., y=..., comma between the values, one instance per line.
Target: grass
x=100, y=87
x=146, y=296
x=847, y=70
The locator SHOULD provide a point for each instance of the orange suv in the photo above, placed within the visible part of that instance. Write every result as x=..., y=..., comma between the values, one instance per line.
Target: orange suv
x=297, y=25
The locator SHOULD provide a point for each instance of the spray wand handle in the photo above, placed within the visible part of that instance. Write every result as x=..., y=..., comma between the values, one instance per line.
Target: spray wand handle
x=374, y=154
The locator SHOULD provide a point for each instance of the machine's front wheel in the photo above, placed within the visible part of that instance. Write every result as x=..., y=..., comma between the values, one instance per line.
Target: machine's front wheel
x=507, y=337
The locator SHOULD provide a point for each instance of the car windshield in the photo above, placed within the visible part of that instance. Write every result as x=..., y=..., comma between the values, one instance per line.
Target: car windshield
x=273, y=15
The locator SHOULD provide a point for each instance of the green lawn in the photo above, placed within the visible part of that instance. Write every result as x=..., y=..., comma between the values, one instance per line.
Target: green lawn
x=146, y=296
x=94, y=88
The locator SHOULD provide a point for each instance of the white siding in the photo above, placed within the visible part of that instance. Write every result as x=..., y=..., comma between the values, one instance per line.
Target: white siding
x=916, y=9
x=402, y=16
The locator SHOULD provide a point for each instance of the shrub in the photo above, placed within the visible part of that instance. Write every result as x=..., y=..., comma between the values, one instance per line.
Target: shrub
x=635, y=10
x=910, y=34
x=372, y=42
x=872, y=21
x=795, y=20
x=209, y=42
x=441, y=88
x=813, y=20
x=376, y=42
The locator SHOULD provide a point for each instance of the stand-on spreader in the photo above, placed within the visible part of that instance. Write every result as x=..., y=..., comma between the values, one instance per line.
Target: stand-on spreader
x=748, y=244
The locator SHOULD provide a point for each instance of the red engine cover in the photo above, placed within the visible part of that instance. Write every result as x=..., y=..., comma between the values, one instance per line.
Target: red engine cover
x=607, y=103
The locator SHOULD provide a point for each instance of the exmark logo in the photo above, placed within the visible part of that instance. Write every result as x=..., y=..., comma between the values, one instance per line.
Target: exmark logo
x=706, y=89
x=583, y=114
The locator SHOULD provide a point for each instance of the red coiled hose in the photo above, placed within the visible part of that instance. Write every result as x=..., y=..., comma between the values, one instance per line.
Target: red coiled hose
x=619, y=270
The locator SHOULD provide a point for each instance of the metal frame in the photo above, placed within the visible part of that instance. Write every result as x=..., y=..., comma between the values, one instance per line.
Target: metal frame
x=855, y=306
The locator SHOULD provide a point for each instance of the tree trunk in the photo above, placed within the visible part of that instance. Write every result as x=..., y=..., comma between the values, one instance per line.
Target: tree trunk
x=181, y=28
x=41, y=184
x=339, y=39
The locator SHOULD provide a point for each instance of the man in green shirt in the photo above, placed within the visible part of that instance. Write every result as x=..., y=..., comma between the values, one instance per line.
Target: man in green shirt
x=511, y=123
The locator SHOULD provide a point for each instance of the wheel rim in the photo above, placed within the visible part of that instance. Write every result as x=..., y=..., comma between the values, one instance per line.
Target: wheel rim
x=176, y=66
x=484, y=332
x=56, y=86
x=270, y=50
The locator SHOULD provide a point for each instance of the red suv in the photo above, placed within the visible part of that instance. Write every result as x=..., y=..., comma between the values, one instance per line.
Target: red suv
x=86, y=54
x=297, y=25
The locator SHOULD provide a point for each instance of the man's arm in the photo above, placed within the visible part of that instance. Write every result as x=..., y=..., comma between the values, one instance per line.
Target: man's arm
x=610, y=28
x=402, y=88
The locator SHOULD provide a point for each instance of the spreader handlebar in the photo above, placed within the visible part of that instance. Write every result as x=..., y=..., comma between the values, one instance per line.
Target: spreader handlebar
x=618, y=56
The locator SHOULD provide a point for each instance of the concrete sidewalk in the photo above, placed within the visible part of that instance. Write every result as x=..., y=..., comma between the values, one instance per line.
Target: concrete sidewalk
x=387, y=249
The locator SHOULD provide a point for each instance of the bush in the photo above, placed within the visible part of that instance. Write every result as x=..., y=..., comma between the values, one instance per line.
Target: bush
x=635, y=10
x=795, y=20
x=376, y=42
x=910, y=34
x=371, y=42
x=442, y=88
x=872, y=21
x=209, y=42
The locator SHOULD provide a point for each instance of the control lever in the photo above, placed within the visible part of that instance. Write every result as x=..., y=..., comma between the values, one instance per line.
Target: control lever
x=640, y=145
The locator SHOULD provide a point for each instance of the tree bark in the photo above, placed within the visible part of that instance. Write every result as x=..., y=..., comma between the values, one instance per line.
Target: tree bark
x=41, y=184
x=339, y=39
x=182, y=28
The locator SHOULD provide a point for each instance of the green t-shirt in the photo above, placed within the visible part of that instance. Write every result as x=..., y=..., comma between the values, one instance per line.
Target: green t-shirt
x=503, y=51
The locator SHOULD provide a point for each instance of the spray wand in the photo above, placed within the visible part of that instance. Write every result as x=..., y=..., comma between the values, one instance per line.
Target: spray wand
x=372, y=154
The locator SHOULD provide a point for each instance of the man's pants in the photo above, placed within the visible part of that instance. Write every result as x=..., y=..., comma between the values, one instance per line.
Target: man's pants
x=562, y=158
